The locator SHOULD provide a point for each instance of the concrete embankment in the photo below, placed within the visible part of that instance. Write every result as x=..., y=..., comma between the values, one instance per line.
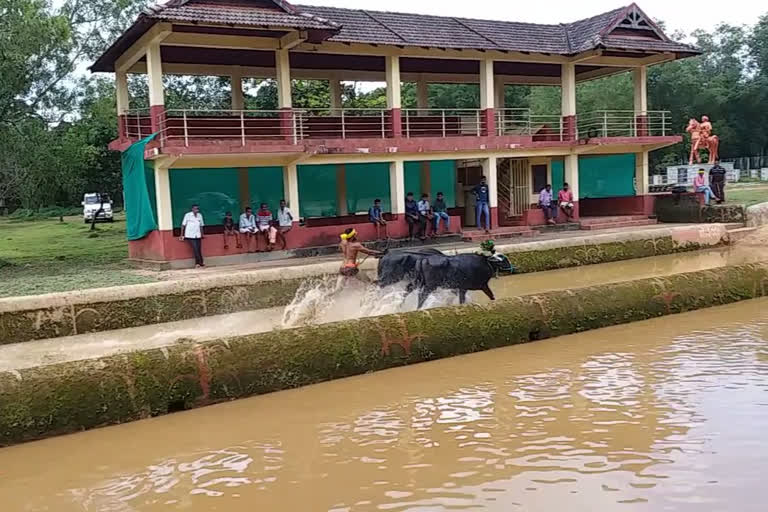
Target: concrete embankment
x=48, y=400
x=70, y=313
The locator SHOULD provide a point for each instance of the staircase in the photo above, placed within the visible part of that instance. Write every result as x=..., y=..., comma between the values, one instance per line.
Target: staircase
x=620, y=221
x=501, y=233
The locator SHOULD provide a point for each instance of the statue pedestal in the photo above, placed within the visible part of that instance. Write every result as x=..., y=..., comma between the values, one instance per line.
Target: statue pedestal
x=684, y=174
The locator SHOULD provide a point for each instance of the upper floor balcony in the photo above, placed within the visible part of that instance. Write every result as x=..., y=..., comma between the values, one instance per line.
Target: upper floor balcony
x=273, y=39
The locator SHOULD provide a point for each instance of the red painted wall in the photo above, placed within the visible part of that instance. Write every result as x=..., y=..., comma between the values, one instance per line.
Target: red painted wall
x=607, y=206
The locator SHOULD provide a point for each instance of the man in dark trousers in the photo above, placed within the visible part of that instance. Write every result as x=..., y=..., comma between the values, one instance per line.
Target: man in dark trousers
x=717, y=181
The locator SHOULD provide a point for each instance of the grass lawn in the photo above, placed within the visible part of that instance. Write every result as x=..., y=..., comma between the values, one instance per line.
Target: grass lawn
x=43, y=256
x=746, y=194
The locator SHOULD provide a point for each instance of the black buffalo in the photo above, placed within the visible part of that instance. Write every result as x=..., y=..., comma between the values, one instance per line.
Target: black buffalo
x=461, y=272
x=396, y=266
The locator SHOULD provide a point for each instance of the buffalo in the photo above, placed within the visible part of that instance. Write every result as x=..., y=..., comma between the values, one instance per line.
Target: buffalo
x=462, y=272
x=396, y=266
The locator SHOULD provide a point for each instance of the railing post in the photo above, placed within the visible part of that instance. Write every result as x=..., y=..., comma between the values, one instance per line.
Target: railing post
x=663, y=124
x=295, y=131
x=605, y=123
x=242, y=127
x=343, y=125
x=442, y=113
x=407, y=125
x=138, y=123
x=479, y=127
x=186, y=130
x=384, y=125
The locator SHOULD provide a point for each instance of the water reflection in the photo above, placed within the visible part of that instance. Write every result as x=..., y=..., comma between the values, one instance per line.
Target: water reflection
x=659, y=415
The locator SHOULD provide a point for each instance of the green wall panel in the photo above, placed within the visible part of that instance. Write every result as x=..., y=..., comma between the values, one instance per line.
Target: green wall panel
x=265, y=185
x=558, y=175
x=442, y=179
x=317, y=190
x=606, y=176
x=149, y=173
x=215, y=190
x=413, y=178
x=366, y=182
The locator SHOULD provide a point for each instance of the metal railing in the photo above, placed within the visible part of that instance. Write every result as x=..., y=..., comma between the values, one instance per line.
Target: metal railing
x=343, y=123
x=513, y=121
x=423, y=122
x=190, y=125
x=137, y=123
x=623, y=123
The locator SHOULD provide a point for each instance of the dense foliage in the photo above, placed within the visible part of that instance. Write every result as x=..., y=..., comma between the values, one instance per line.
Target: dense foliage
x=56, y=120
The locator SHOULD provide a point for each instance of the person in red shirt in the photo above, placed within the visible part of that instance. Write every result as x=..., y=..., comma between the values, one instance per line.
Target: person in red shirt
x=565, y=200
x=265, y=226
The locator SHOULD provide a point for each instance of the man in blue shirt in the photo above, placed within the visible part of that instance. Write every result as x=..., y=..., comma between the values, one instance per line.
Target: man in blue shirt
x=482, y=203
x=548, y=204
x=411, y=214
x=377, y=218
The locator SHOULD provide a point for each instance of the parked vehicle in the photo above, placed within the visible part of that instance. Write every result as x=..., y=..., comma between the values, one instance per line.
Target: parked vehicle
x=92, y=202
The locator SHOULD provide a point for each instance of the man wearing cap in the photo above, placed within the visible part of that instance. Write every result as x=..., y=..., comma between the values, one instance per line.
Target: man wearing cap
x=701, y=186
x=350, y=248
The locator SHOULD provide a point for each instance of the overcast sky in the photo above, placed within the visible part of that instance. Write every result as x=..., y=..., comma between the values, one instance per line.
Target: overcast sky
x=678, y=14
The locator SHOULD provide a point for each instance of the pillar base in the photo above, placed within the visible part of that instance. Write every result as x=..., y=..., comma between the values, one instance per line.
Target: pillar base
x=157, y=120
x=488, y=122
x=569, y=128
x=395, y=128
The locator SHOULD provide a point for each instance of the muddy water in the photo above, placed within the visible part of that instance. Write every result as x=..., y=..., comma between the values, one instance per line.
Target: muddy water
x=668, y=414
x=326, y=302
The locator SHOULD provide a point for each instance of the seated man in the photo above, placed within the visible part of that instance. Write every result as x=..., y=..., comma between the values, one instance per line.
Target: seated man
x=425, y=214
x=440, y=211
x=548, y=204
x=247, y=225
x=376, y=217
x=230, y=231
x=265, y=227
x=565, y=200
x=701, y=186
x=411, y=214
x=284, y=217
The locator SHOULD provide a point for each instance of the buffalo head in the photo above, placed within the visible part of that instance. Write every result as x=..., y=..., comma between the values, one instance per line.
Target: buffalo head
x=501, y=264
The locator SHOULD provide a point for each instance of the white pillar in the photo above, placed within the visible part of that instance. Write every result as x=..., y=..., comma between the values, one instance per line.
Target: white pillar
x=392, y=71
x=500, y=101
x=121, y=87
x=640, y=80
x=155, y=76
x=571, y=165
x=487, y=90
x=568, y=90
x=397, y=186
x=236, y=85
x=283, y=77
x=291, y=189
x=641, y=173
x=489, y=171
x=422, y=96
x=163, y=198
x=336, y=90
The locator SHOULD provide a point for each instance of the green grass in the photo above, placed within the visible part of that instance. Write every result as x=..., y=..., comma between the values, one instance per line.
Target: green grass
x=746, y=195
x=42, y=256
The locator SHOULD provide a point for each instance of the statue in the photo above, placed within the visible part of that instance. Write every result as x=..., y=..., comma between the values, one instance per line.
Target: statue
x=702, y=138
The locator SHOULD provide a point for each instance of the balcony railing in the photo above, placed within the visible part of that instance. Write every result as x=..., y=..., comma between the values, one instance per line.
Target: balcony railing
x=346, y=123
x=238, y=125
x=520, y=121
x=137, y=123
x=623, y=123
x=422, y=122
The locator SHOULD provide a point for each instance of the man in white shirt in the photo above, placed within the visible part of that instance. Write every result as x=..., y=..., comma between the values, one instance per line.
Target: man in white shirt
x=425, y=214
x=247, y=226
x=192, y=231
x=284, y=217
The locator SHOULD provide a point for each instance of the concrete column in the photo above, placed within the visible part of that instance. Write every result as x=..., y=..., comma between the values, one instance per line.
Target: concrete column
x=487, y=92
x=640, y=81
x=291, y=188
x=568, y=100
x=336, y=94
x=283, y=77
x=392, y=72
x=236, y=84
x=163, y=198
x=571, y=165
x=499, y=99
x=641, y=173
x=123, y=102
x=341, y=190
x=156, y=93
x=397, y=186
x=489, y=171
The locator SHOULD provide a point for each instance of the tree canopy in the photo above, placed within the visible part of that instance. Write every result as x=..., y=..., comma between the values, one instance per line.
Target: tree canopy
x=56, y=120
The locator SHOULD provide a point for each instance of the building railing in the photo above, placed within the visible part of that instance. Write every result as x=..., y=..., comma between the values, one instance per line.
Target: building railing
x=343, y=123
x=424, y=122
x=137, y=123
x=623, y=123
x=190, y=125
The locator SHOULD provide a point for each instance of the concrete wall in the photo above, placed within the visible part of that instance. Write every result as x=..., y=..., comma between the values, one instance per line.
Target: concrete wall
x=757, y=215
x=67, y=397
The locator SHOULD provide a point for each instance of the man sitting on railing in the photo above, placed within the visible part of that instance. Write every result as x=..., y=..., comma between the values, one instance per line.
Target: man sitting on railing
x=425, y=215
x=548, y=204
x=440, y=210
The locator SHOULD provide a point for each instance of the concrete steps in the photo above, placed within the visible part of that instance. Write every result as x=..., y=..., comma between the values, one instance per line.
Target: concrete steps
x=623, y=221
x=506, y=232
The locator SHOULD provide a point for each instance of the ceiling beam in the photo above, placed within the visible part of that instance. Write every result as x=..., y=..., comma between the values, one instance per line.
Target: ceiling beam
x=293, y=39
x=221, y=41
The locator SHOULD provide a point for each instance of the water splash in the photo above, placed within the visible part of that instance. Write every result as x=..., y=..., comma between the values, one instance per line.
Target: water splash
x=335, y=298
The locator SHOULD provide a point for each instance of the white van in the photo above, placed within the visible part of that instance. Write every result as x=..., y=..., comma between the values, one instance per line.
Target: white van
x=91, y=205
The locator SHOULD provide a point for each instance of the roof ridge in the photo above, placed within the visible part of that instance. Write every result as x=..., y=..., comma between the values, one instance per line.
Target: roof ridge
x=564, y=26
x=382, y=24
x=472, y=29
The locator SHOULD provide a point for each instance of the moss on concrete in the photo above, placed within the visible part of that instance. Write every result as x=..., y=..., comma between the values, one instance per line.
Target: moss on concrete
x=67, y=397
